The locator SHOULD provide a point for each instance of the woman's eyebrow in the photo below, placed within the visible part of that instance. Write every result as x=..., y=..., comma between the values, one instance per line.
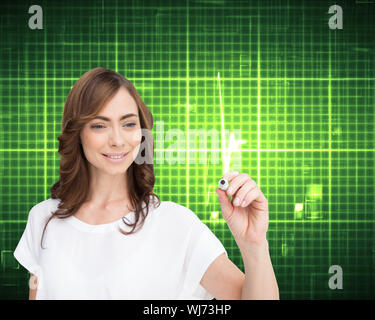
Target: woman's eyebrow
x=121, y=118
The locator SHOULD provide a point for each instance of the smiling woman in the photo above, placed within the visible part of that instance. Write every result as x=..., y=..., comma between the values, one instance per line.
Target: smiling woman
x=117, y=139
x=97, y=131
x=113, y=238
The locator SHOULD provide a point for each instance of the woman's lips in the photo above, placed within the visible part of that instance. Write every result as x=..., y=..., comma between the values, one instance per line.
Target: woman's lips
x=116, y=160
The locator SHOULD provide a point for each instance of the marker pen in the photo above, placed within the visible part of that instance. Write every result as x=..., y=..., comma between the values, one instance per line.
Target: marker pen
x=223, y=184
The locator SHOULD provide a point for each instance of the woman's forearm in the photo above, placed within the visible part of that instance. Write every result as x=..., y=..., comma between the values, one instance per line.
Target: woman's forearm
x=260, y=281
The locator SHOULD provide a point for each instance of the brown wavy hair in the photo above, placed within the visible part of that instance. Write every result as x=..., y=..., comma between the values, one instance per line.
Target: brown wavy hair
x=85, y=100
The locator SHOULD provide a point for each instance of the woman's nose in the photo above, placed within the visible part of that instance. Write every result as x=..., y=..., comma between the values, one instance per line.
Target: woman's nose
x=117, y=137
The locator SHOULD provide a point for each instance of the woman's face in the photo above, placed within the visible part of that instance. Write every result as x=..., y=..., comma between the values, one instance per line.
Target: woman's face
x=116, y=130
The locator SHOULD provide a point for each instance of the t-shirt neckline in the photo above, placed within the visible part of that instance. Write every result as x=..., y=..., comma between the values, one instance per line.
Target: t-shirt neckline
x=129, y=218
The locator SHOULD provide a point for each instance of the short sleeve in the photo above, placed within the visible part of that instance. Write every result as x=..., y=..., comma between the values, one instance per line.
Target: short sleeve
x=203, y=248
x=25, y=252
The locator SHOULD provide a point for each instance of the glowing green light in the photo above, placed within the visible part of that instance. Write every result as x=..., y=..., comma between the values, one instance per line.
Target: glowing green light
x=214, y=214
x=315, y=191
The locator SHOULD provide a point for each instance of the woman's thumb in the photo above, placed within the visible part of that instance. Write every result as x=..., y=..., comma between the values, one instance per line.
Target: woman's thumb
x=226, y=205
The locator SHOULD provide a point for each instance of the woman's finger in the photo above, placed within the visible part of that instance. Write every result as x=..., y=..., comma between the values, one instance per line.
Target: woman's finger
x=242, y=191
x=230, y=175
x=255, y=194
x=237, y=182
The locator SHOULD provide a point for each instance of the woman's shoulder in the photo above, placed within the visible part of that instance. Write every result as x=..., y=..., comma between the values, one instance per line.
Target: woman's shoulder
x=175, y=211
x=43, y=209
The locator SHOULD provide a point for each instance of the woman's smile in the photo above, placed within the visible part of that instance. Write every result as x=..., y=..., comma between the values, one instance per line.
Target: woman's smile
x=115, y=159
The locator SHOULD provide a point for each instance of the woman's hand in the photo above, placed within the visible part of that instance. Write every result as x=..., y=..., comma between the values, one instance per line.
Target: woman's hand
x=248, y=218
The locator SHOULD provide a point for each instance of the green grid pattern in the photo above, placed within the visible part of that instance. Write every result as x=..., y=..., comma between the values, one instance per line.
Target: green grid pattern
x=301, y=94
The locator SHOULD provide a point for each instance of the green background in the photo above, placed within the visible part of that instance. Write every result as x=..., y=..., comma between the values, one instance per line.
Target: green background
x=301, y=94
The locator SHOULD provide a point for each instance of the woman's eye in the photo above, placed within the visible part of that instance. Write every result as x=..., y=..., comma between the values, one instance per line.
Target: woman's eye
x=99, y=126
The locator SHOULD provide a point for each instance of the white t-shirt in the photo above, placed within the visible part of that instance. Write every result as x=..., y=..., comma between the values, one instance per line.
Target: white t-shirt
x=165, y=259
